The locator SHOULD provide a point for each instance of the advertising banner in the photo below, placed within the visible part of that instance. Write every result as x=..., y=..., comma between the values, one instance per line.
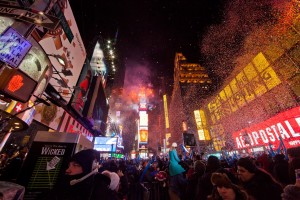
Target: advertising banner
x=143, y=136
x=81, y=91
x=44, y=165
x=49, y=115
x=143, y=118
x=105, y=144
x=283, y=127
x=65, y=49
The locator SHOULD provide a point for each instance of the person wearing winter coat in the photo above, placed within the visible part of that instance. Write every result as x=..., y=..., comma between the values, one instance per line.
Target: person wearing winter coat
x=177, y=180
x=198, y=171
x=256, y=182
x=82, y=180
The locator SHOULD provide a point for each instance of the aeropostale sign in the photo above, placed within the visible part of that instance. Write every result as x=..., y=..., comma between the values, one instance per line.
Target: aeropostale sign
x=284, y=126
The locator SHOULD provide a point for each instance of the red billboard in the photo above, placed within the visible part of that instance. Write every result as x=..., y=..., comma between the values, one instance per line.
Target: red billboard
x=284, y=126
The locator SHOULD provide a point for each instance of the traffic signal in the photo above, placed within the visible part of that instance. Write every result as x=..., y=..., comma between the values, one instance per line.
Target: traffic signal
x=16, y=85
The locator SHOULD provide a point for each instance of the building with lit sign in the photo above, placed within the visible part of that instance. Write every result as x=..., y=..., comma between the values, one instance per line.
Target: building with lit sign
x=191, y=86
x=258, y=105
x=47, y=65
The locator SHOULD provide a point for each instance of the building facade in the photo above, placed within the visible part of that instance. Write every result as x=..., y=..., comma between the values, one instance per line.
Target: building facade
x=257, y=108
x=191, y=86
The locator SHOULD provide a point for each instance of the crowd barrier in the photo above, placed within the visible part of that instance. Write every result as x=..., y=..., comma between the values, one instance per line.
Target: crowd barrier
x=153, y=191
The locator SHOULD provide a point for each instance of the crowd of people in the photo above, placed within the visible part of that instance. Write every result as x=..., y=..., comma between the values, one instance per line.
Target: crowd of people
x=173, y=177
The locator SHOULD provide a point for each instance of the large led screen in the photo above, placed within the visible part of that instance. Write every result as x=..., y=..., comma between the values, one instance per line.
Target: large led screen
x=105, y=144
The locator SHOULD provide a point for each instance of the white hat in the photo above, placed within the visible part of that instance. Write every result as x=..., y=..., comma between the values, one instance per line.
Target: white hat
x=174, y=144
x=114, y=179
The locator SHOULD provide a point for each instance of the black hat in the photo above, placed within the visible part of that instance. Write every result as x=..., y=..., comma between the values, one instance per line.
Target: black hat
x=247, y=164
x=85, y=159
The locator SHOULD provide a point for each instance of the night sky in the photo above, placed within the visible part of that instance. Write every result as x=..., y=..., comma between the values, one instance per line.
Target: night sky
x=149, y=32
x=215, y=33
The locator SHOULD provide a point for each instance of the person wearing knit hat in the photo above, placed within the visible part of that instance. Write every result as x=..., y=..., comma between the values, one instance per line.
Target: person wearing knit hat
x=258, y=183
x=225, y=189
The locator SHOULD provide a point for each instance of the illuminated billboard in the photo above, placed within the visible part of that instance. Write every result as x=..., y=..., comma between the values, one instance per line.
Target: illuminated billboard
x=168, y=135
x=143, y=118
x=253, y=81
x=81, y=91
x=202, y=129
x=143, y=136
x=97, y=63
x=166, y=111
x=284, y=126
x=105, y=144
x=65, y=49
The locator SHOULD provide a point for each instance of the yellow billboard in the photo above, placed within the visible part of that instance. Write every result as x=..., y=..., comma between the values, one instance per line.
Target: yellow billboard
x=252, y=81
x=168, y=135
x=143, y=136
x=201, y=123
x=166, y=111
